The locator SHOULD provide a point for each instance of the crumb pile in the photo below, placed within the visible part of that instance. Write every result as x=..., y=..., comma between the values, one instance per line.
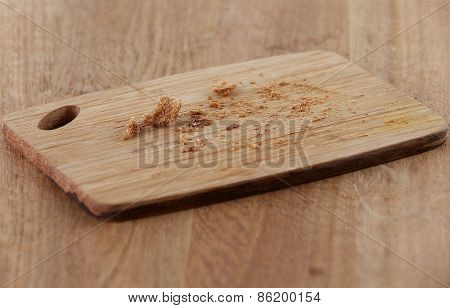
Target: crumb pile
x=271, y=92
x=165, y=112
x=224, y=89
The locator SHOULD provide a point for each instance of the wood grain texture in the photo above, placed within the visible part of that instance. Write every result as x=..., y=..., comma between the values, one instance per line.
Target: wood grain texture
x=276, y=239
x=355, y=121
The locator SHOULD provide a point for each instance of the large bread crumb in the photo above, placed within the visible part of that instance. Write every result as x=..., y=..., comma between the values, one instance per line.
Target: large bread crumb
x=166, y=111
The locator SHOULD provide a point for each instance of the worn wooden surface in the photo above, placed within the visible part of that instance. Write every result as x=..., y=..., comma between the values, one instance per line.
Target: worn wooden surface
x=382, y=226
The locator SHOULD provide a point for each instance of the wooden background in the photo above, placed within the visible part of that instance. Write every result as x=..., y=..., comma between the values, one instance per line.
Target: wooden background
x=397, y=214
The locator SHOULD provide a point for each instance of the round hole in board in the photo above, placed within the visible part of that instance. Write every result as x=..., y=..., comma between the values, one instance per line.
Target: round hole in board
x=59, y=117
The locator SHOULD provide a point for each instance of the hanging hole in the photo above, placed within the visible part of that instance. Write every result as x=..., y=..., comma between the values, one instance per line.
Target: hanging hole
x=59, y=117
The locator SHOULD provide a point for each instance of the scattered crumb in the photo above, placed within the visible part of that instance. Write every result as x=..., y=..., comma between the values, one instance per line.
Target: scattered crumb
x=252, y=82
x=190, y=144
x=283, y=83
x=280, y=143
x=256, y=145
x=185, y=138
x=189, y=148
x=232, y=126
x=224, y=89
x=184, y=128
x=199, y=142
x=271, y=92
x=199, y=121
x=215, y=104
x=303, y=106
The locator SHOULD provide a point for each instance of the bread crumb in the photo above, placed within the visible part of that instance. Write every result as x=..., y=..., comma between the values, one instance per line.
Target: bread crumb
x=199, y=121
x=184, y=137
x=301, y=107
x=280, y=143
x=184, y=128
x=232, y=126
x=283, y=83
x=199, y=142
x=224, y=89
x=215, y=104
x=132, y=128
x=271, y=92
x=165, y=112
x=256, y=145
x=190, y=148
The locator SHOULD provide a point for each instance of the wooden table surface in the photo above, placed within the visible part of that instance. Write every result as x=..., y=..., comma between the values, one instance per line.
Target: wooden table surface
x=385, y=226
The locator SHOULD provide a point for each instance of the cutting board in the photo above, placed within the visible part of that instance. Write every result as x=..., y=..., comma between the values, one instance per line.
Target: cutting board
x=285, y=123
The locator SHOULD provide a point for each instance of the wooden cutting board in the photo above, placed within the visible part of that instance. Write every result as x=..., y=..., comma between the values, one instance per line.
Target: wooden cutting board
x=285, y=123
